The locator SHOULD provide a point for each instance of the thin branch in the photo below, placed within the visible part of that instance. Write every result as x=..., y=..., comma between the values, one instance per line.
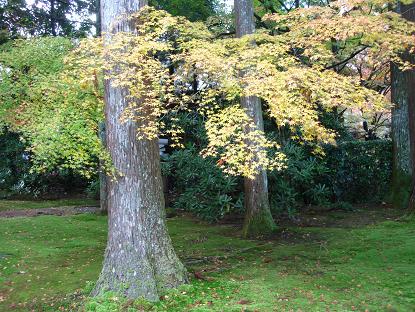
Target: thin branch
x=224, y=34
x=347, y=59
x=261, y=22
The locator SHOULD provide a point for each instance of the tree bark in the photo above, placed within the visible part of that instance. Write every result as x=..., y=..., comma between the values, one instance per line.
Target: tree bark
x=411, y=205
x=53, y=18
x=103, y=192
x=139, y=259
x=403, y=126
x=258, y=218
x=98, y=18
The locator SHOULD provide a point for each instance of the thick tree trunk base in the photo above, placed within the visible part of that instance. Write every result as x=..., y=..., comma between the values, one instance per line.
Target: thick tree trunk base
x=258, y=219
x=259, y=225
x=140, y=277
x=411, y=205
x=139, y=260
x=401, y=189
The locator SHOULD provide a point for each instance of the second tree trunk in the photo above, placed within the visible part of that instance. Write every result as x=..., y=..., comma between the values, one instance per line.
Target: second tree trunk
x=258, y=218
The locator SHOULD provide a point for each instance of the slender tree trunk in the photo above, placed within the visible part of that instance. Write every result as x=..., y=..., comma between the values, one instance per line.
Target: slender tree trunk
x=103, y=192
x=403, y=126
x=53, y=17
x=98, y=18
x=139, y=259
x=258, y=218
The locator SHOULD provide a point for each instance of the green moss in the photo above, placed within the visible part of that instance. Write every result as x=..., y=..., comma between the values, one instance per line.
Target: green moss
x=38, y=204
x=401, y=190
x=315, y=269
x=48, y=257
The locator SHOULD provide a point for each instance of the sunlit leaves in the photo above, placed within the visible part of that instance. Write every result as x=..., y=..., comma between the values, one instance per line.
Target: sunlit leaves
x=52, y=105
x=351, y=24
x=228, y=132
x=158, y=65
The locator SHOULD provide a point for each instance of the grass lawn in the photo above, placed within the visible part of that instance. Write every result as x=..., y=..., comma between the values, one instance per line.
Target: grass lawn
x=46, y=261
x=28, y=204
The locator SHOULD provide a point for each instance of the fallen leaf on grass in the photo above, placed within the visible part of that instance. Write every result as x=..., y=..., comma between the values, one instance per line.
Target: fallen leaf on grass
x=199, y=275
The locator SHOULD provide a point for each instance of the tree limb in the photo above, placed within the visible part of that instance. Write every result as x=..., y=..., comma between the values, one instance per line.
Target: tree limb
x=347, y=59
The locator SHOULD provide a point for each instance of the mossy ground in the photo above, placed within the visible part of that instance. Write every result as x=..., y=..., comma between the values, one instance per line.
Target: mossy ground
x=40, y=204
x=46, y=261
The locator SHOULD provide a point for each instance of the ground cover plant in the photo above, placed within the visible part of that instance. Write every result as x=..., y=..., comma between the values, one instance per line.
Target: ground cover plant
x=344, y=261
x=7, y=205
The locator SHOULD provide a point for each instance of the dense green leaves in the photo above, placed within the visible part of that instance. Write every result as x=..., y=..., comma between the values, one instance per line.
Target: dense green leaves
x=361, y=170
x=194, y=10
x=201, y=186
x=57, y=116
x=24, y=65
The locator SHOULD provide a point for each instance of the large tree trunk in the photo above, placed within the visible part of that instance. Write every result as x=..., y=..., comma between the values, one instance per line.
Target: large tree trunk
x=258, y=218
x=403, y=126
x=139, y=259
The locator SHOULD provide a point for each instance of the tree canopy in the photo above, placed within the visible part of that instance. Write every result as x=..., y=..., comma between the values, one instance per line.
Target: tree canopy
x=289, y=68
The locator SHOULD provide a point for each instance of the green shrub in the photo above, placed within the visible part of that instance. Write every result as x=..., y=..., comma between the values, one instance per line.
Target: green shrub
x=352, y=172
x=361, y=170
x=93, y=189
x=17, y=178
x=201, y=187
x=301, y=182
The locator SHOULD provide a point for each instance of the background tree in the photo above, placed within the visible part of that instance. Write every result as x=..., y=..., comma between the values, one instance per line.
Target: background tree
x=15, y=19
x=139, y=259
x=283, y=68
x=63, y=17
x=403, y=125
x=46, y=17
x=258, y=218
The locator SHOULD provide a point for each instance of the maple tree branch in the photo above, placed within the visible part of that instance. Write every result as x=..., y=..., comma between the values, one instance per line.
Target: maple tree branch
x=224, y=34
x=347, y=59
x=260, y=21
x=272, y=9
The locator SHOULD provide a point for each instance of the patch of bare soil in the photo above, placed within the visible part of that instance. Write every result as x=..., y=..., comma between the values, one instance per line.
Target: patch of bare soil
x=57, y=211
x=360, y=216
